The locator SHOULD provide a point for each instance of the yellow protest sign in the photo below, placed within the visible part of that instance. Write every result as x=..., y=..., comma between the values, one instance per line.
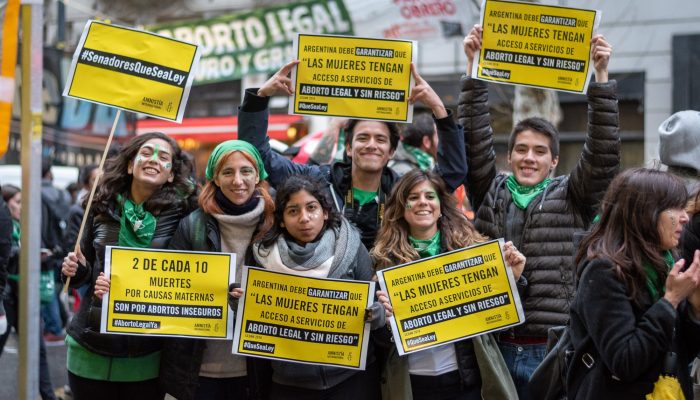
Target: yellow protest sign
x=133, y=70
x=168, y=293
x=536, y=45
x=451, y=297
x=306, y=320
x=353, y=77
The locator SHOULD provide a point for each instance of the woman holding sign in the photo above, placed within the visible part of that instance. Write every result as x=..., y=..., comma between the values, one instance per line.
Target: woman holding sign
x=310, y=238
x=636, y=313
x=422, y=220
x=144, y=194
x=235, y=210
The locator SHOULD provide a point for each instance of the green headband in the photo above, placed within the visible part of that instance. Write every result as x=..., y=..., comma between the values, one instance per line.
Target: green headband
x=234, y=145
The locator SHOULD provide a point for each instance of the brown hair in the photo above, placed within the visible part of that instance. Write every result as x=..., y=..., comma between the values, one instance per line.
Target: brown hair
x=627, y=233
x=392, y=246
x=209, y=205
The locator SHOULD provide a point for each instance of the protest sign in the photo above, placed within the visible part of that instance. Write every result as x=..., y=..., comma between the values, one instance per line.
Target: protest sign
x=168, y=293
x=132, y=70
x=450, y=297
x=353, y=77
x=300, y=319
x=536, y=45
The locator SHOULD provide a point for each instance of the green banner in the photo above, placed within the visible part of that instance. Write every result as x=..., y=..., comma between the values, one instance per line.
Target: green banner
x=250, y=42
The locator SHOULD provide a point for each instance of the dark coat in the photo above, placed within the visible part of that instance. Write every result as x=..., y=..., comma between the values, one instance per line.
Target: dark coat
x=5, y=244
x=252, y=127
x=181, y=358
x=567, y=206
x=690, y=241
x=631, y=339
x=102, y=231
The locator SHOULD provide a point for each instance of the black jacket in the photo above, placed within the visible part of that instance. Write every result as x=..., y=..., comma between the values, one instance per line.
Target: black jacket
x=566, y=206
x=181, y=358
x=631, y=340
x=101, y=231
x=690, y=241
x=252, y=127
x=5, y=244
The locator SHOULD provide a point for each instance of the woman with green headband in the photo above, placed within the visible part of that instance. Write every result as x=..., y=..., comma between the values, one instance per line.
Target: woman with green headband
x=235, y=210
x=144, y=193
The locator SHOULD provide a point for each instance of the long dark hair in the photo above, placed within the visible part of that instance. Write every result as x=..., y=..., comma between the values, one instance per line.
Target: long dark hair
x=392, y=246
x=292, y=185
x=627, y=233
x=116, y=181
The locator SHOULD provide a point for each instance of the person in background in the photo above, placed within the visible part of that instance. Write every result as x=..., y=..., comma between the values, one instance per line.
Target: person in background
x=360, y=186
x=235, y=209
x=422, y=220
x=418, y=146
x=144, y=193
x=540, y=214
x=634, y=302
x=12, y=196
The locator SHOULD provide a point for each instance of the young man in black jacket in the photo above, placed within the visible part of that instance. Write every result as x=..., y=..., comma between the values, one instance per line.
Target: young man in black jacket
x=359, y=187
x=538, y=214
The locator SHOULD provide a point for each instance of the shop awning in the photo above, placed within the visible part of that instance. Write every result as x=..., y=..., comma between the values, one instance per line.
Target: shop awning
x=216, y=129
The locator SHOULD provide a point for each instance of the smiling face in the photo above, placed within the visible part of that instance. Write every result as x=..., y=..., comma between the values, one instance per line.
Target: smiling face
x=670, y=227
x=153, y=163
x=237, y=178
x=422, y=210
x=531, y=158
x=370, y=148
x=303, y=217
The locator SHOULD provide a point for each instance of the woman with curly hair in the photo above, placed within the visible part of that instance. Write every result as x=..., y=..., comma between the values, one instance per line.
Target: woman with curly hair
x=422, y=220
x=635, y=303
x=235, y=209
x=143, y=195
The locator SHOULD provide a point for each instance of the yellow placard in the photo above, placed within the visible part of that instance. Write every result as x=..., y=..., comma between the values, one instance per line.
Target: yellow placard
x=133, y=70
x=168, y=293
x=450, y=297
x=353, y=77
x=306, y=320
x=536, y=45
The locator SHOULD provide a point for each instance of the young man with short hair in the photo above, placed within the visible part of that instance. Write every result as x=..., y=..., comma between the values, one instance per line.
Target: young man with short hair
x=418, y=146
x=539, y=214
x=359, y=187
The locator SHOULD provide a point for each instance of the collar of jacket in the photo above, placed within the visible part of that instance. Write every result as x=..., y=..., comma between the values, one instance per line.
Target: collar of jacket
x=341, y=178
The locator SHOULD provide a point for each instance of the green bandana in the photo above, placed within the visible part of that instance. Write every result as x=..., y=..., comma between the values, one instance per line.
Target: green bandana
x=234, y=145
x=137, y=225
x=425, y=161
x=653, y=277
x=426, y=248
x=363, y=196
x=523, y=195
x=15, y=232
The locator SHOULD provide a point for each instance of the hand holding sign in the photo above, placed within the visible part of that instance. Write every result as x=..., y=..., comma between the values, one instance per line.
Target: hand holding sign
x=600, y=54
x=71, y=263
x=424, y=93
x=514, y=258
x=472, y=45
x=102, y=284
x=280, y=82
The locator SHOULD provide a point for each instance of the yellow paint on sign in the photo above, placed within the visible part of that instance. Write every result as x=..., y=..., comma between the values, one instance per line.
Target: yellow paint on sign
x=451, y=297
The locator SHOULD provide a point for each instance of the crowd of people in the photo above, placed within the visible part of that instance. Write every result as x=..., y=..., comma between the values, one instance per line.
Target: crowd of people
x=613, y=255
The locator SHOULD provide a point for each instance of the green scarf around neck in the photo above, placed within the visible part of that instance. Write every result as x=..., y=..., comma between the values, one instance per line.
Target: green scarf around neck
x=137, y=224
x=425, y=161
x=427, y=248
x=653, y=276
x=15, y=232
x=523, y=195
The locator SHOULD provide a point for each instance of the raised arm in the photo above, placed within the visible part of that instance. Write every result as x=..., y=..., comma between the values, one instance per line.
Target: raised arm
x=253, y=123
x=473, y=113
x=451, y=159
x=600, y=158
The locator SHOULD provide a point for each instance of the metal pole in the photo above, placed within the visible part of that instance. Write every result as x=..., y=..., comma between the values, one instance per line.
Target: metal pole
x=32, y=65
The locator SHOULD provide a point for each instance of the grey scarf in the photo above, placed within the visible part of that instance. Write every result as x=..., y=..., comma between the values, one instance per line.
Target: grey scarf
x=341, y=244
